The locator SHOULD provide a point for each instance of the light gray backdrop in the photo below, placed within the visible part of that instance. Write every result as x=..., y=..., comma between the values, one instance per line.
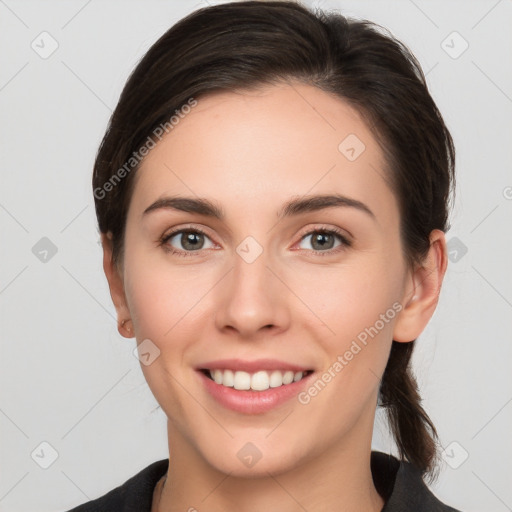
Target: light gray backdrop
x=76, y=416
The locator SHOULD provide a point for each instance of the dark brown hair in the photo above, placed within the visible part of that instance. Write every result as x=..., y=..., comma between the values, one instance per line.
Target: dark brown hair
x=242, y=45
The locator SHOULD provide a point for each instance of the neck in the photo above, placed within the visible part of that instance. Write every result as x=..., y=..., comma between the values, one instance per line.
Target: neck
x=338, y=479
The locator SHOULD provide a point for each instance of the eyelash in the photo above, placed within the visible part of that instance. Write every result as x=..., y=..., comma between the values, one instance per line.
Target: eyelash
x=345, y=242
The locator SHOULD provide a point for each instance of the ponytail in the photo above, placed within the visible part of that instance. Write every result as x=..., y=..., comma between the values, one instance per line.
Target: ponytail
x=414, y=433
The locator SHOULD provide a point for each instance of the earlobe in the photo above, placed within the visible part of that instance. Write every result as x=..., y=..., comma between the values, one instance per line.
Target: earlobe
x=422, y=291
x=125, y=328
x=116, y=286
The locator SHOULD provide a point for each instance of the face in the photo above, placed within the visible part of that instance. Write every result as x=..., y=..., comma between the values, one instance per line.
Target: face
x=269, y=277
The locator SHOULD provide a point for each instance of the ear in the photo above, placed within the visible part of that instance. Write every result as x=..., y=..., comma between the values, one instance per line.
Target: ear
x=116, y=285
x=422, y=291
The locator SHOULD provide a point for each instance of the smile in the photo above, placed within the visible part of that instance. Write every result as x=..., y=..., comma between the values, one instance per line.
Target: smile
x=253, y=387
x=258, y=381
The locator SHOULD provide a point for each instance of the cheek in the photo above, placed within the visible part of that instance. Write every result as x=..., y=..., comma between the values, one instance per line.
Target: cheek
x=163, y=299
x=357, y=306
x=349, y=298
x=168, y=307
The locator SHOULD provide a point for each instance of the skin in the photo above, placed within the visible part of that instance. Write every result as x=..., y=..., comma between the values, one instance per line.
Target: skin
x=249, y=153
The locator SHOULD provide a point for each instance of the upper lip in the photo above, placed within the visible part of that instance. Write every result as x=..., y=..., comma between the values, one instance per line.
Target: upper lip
x=251, y=366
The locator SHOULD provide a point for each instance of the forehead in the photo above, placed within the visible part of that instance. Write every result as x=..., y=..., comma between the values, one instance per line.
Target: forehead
x=248, y=146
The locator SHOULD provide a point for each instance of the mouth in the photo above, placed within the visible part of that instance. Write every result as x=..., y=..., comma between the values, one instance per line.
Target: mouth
x=253, y=386
x=260, y=380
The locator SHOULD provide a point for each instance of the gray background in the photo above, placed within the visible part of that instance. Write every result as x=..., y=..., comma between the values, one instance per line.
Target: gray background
x=70, y=380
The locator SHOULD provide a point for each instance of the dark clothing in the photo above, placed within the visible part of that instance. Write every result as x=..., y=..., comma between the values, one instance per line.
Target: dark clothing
x=399, y=483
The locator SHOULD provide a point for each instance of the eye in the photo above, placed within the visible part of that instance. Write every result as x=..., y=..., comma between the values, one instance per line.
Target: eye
x=324, y=240
x=186, y=240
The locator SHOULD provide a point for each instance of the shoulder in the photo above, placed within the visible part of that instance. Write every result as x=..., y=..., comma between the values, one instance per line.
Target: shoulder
x=402, y=486
x=135, y=495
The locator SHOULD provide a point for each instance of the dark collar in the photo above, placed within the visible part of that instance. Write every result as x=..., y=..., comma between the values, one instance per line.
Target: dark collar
x=401, y=486
x=399, y=483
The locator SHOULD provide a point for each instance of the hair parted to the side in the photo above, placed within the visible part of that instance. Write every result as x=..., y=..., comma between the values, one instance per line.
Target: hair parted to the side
x=242, y=45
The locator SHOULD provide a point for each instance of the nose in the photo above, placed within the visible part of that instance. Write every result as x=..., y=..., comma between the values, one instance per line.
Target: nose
x=252, y=300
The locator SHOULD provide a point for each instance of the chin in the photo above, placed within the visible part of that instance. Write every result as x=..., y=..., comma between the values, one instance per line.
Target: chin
x=260, y=469
x=256, y=459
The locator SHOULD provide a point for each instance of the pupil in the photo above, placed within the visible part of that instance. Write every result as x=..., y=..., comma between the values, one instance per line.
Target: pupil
x=323, y=240
x=191, y=240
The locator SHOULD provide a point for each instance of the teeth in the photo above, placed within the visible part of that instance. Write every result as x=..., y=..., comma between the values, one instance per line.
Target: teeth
x=228, y=378
x=276, y=379
x=242, y=381
x=259, y=381
x=217, y=376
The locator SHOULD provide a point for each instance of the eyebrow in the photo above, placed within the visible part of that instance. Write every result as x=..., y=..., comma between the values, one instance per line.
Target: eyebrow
x=298, y=206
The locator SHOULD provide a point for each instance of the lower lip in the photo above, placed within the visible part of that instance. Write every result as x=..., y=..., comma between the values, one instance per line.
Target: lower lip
x=253, y=402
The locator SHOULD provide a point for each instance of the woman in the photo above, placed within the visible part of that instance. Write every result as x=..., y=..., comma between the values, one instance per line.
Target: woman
x=272, y=194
